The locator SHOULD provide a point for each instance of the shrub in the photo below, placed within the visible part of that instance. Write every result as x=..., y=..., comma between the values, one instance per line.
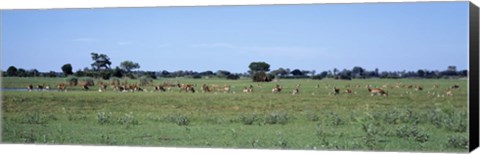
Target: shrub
x=182, y=120
x=104, y=118
x=248, y=119
x=276, y=118
x=312, y=116
x=144, y=81
x=233, y=77
x=72, y=81
x=457, y=142
x=127, y=120
x=88, y=81
x=36, y=118
x=333, y=119
x=412, y=133
x=262, y=77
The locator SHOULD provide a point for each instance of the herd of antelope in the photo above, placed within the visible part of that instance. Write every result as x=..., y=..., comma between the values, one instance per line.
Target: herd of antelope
x=216, y=88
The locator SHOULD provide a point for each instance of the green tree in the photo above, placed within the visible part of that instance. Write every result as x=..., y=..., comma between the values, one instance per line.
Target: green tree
x=12, y=71
x=259, y=67
x=358, y=71
x=100, y=62
x=67, y=69
x=128, y=66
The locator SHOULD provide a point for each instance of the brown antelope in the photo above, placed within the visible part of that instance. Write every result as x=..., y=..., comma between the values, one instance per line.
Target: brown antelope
x=206, y=88
x=377, y=91
x=226, y=88
x=248, y=89
x=348, y=91
x=40, y=87
x=159, y=88
x=455, y=86
x=296, y=90
x=277, y=89
x=336, y=90
x=418, y=88
x=30, y=87
x=449, y=93
x=62, y=87
x=85, y=86
x=186, y=87
x=410, y=86
x=102, y=87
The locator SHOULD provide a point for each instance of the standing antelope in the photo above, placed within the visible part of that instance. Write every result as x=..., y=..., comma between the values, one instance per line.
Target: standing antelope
x=296, y=90
x=205, y=88
x=30, y=87
x=62, y=87
x=336, y=90
x=277, y=89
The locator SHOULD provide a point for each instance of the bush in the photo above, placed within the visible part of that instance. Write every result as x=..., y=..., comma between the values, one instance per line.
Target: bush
x=36, y=118
x=72, y=81
x=144, y=81
x=262, y=77
x=104, y=118
x=248, y=119
x=88, y=81
x=457, y=142
x=276, y=118
x=233, y=77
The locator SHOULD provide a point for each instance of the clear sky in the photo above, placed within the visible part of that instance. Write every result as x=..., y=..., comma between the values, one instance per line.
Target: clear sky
x=387, y=36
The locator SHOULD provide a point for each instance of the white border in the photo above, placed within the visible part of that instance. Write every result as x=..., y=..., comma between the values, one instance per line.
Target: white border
x=62, y=4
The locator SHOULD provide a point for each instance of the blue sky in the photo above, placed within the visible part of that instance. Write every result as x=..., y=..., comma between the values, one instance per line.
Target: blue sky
x=387, y=36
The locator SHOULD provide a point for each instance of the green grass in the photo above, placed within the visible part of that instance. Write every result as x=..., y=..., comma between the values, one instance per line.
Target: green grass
x=406, y=120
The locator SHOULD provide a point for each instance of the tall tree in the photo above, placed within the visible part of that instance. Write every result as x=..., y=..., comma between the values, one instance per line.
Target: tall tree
x=358, y=71
x=67, y=69
x=100, y=62
x=259, y=67
x=128, y=66
x=12, y=71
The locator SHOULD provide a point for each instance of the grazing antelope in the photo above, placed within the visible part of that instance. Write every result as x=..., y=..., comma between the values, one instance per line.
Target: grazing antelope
x=186, y=87
x=449, y=93
x=160, y=88
x=30, y=87
x=206, y=88
x=47, y=87
x=40, y=87
x=377, y=91
x=102, y=87
x=455, y=86
x=226, y=88
x=418, y=88
x=348, y=91
x=277, y=89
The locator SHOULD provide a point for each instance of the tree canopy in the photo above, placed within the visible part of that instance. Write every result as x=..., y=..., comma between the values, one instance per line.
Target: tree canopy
x=100, y=62
x=128, y=66
x=259, y=66
x=67, y=69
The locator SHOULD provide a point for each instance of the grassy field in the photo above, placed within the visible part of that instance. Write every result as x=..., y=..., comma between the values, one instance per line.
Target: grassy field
x=406, y=120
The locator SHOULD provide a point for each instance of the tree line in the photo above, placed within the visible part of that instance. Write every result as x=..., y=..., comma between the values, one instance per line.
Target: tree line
x=258, y=71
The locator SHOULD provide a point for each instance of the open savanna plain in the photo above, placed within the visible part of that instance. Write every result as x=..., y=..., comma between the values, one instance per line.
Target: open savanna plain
x=405, y=120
